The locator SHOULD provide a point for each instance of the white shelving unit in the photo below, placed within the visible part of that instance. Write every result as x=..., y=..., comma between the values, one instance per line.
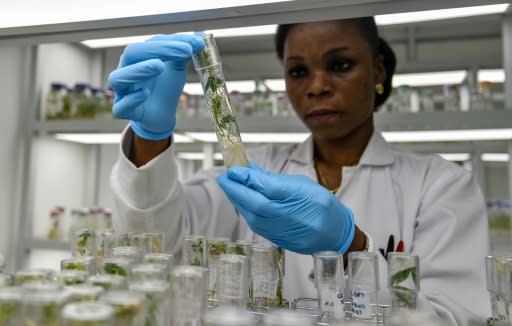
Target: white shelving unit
x=283, y=12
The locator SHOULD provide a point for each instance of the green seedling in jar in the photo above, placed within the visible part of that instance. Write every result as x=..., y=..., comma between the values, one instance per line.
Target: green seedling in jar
x=280, y=276
x=114, y=269
x=237, y=249
x=23, y=277
x=82, y=242
x=8, y=313
x=208, y=66
x=197, y=250
x=405, y=296
x=50, y=316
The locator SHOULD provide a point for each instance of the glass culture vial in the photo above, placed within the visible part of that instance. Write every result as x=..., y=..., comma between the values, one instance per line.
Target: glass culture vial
x=403, y=279
x=189, y=296
x=161, y=258
x=149, y=241
x=133, y=254
x=87, y=314
x=329, y=282
x=105, y=241
x=25, y=276
x=363, y=281
x=230, y=316
x=71, y=277
x=129, y=307
x=146, y=272
x=83, y=263
x=208, y=66
x=263, y=276
x=42, y=306
x=216, y=247
x=10, y=306
x=108, y=282
x=232, y=280
x=158, y=304
x=84, y=242
x=194, y=251
x=84, y=292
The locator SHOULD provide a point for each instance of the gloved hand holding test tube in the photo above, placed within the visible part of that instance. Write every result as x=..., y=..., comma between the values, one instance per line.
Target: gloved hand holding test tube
x=208, y=65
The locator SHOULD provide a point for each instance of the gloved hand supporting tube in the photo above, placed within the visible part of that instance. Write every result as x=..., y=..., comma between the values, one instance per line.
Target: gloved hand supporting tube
x=292, y=211
x=149, y=81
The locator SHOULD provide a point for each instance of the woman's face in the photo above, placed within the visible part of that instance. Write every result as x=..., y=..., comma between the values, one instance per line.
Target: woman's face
x=330, y=75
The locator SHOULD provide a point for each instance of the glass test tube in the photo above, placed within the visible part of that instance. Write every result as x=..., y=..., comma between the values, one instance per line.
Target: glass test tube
x=129, y=307
x=363, y=281
x=208, y=66
x=287, y=318
x=83, y=263
x=10, y=306
x=157, y=295
x=141, y=272
x=240, y=247
x=280, y=257
x=330, y=285
x=233, y=280
x=503, y=313
x=84, y=292
x=71, y=277
x=108, y=282
x=491, y=275
x=149, y=241
x=194, y=251
x=229, y=316
x=216, y=247
x=87, y=314
x=84, y=242
x=189, y=295
x=403, y=279
x=263, y=276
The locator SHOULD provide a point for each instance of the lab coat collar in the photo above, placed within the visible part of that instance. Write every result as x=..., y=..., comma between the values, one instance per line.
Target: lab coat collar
x=378, y=152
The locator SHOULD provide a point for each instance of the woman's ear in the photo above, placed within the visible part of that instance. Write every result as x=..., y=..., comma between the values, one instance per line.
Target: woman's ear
x=380, y=70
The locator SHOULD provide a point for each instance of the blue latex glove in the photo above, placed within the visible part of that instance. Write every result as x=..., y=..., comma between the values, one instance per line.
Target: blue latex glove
x=149, y=81
x=292, y=211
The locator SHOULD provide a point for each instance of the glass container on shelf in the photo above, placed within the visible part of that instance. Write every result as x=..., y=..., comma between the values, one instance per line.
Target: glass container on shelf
x=194, y=250
x=55, y=102
x=482, y=98
x=56, y=218
x=209, y=69
x=87, y=314
x=84, y=242
x=403, y=98
x=82, y=106
x=83, y=292
x=116, y=266
x=427, y=103
x=450, y=98
x=105, y=241
x=189, y=295
x=264, y=276
x=161, y=258
x=232, y=283
x=363, y=278
x=72, y=277
x=148, y=272
x=102, y=110
x=149, y=241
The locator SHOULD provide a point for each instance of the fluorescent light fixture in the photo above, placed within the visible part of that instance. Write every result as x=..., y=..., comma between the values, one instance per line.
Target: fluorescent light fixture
x=244, y=31
x=275, y=85
x=197, y=156
x=457, y=157
x=253, y=137
x=428, y=15
x=115, y=41
x=430, y=78
x=492, y=75
x=495, y=157
x=447, y=135
x=243, y=86
x=106, y=138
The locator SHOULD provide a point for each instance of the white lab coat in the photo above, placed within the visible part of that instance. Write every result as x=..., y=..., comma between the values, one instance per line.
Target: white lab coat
x=434, y=206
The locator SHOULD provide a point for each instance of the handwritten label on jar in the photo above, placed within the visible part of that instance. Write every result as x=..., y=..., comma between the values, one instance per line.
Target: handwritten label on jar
x=362, y=303
x=332, y=301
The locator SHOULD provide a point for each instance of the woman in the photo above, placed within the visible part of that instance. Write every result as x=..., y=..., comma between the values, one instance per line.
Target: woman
x=343, y=189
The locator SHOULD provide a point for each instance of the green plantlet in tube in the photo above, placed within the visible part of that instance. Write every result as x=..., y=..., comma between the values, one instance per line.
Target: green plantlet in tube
x=208, y=66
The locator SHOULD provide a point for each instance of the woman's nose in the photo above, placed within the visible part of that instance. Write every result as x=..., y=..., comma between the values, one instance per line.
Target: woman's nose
x=319, y=84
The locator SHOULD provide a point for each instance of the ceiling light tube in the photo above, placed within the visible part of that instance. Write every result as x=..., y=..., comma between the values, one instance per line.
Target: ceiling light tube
x=447, y=135
x=429, y=15
x=456, y=157
x=495, y=157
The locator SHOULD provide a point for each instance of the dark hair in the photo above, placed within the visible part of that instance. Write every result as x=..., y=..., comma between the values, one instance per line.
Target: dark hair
x=379, y=46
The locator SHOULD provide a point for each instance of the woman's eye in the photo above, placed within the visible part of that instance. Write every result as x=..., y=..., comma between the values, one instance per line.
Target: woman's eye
x=297, y=72
x=341, y=66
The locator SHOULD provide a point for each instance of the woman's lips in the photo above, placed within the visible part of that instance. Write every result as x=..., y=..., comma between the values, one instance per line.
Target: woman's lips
x=322, y=115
